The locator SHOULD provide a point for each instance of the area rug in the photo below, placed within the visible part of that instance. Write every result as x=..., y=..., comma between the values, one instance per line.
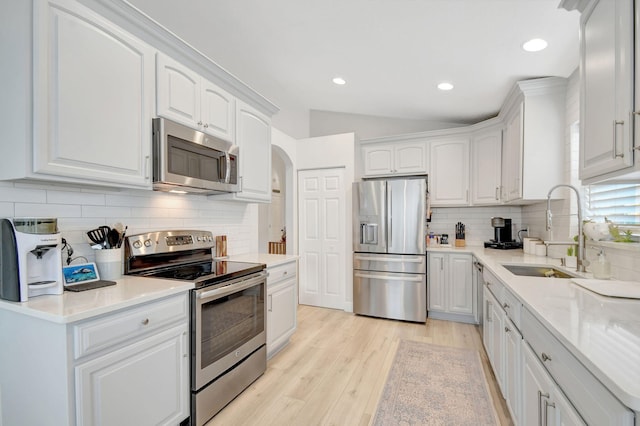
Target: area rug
x=435, y=385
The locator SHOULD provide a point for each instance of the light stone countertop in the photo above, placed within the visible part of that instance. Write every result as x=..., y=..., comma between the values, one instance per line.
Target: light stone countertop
x=603, y=333
x=75, y=306
x=268, y=259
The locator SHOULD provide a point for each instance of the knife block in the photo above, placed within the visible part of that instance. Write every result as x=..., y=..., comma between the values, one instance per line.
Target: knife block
x=460, y=243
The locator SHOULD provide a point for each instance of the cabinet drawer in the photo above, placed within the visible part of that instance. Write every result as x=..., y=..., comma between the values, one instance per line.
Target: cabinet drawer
x=593, y=401
x=512, y=307
x=281, y=272
x=494, y=285
x=95, y=335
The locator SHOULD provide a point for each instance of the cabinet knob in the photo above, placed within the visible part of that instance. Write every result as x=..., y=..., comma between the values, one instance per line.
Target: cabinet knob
x=199, y=123
x=545, y=357
x=505, y=305
x=145, y=321
x=206, y=125
x=285, y=273
x=506, y=329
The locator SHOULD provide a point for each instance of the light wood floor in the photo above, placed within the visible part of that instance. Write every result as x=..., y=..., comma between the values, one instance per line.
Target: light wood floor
x=333, y=370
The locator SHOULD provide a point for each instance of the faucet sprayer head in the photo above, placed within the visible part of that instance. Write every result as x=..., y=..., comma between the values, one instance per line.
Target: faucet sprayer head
x=549, y=219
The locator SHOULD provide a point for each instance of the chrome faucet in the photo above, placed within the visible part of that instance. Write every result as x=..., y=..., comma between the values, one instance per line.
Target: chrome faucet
x=580, y=261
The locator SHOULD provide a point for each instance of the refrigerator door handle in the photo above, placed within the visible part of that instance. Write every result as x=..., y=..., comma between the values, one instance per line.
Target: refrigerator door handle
x=389, y=220
x=414, y=277
x=405, y=259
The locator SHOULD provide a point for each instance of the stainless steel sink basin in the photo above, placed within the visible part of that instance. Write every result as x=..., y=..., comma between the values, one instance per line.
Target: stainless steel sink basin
x=538, y=271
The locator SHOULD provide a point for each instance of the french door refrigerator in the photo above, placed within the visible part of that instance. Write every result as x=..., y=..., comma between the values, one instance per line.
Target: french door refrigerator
x=389, y=259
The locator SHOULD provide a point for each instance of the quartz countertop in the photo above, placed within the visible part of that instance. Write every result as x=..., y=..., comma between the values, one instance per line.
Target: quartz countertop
x=75, y=306
x=603, y=333
x=268, y=259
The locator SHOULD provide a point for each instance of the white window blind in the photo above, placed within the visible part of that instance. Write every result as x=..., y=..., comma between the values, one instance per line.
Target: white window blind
x=620, y=203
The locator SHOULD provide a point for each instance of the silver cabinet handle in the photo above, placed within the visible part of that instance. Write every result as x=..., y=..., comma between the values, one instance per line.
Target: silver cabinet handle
x=545, y=414
x=489, y=319
x=545, y=357
x=147, y=159
x=497, y=193
x=271, y=303
x=616, y=123
x=441, y=263
x=542, y=414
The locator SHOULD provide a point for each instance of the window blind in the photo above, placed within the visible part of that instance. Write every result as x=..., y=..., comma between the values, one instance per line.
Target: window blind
x=619, y=203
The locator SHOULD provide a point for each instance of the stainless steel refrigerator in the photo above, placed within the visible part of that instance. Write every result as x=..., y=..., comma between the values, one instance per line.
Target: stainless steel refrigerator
x=389, y=259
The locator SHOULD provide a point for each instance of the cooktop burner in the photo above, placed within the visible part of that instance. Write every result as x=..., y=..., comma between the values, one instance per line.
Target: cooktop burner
x=503, y=245
x=209, y=272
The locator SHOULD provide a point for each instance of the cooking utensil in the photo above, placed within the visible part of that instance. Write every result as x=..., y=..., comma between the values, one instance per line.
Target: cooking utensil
x=113, y=238
x=124, y=232
x=99, y=235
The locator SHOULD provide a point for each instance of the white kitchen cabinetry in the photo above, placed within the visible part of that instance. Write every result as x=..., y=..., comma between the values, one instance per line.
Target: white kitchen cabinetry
x=486, y=167
x=129, y=366
x=400, y=158
x=606, y=74
x=93, y=99
x=492, y=336
x=595, y=404
x=449, y=171
x=282, y=304
x=544, y=404
x=452, y=294
x=534, y=139
x=253, y=137
x=186, y=97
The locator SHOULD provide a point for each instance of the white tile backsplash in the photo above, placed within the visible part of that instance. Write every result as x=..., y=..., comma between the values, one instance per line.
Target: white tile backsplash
x=80, y=209
x=477, y=221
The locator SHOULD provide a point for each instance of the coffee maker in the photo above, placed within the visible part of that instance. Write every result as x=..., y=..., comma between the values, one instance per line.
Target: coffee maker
x=30, y=258
x=502, y=238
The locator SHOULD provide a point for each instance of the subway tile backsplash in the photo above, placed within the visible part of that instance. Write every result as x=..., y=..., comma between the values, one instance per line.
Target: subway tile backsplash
x=81, y=209
x=476, y=219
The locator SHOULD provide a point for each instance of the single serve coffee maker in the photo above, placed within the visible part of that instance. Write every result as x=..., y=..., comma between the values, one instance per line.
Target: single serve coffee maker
x=30, y=258
x=502, y=238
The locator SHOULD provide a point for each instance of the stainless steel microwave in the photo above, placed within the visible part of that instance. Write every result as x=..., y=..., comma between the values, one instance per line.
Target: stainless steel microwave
x=186, y=160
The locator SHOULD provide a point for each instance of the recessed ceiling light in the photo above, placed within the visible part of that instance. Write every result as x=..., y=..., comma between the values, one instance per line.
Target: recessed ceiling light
x=339, y=81
x=535, y=45
x=445, y=86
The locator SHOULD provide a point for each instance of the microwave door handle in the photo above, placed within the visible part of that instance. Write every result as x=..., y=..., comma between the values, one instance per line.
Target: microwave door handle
x=227, y=175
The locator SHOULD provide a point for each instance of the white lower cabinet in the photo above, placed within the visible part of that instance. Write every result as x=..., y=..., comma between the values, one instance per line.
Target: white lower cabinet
x=512, y=369
x=282, y=304
x=451, y=287
x=543, y=403
x=143, y=383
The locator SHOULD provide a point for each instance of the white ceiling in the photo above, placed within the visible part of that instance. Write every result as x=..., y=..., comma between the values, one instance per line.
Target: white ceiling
x=392, y=53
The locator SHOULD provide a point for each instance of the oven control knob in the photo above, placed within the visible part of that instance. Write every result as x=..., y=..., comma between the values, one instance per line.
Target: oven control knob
x=147, y=243
x=137, y=244
x=199, y=238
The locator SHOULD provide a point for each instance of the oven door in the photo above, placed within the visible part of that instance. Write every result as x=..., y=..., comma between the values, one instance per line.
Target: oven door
x=228, y=324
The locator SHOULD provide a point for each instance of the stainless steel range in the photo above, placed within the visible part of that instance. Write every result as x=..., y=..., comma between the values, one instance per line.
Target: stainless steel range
x=228, y=312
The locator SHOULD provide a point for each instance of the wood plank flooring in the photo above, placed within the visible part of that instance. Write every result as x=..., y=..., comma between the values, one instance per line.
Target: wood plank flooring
x=335, y=367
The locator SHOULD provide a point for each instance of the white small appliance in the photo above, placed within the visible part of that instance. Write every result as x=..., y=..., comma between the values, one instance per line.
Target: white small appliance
x=31, y=258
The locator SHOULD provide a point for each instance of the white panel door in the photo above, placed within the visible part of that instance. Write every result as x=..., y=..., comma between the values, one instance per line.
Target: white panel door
x=322, y=237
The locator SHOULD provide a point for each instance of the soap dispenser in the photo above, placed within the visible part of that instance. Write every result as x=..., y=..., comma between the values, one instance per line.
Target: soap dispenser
x=601, y=268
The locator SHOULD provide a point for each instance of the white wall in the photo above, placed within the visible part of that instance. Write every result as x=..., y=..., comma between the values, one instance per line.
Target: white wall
x=333, y=152
x=286, y=148
x=324, y=123
x=80, y=209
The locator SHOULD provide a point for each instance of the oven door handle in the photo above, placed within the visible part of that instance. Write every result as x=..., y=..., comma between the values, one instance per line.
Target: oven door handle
x=232, y=288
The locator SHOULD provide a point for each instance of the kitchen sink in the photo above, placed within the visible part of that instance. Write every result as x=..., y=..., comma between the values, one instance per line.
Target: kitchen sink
x=542, y=271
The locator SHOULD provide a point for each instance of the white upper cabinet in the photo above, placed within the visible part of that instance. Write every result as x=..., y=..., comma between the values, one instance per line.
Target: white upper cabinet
x=397, y=158
x=449, y=171
x=254, y=142
x=606, y=73
x=93, y=98
x=534, y=139
x=486, y=167
x=186, y=97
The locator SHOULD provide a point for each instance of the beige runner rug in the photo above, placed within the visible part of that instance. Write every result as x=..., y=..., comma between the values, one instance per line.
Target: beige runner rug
x=435, y=385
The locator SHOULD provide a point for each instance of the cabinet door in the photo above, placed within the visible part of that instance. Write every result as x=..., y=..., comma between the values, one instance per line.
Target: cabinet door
x=487, y=330
x=178, y=92
x=281, y=315
x=449, y=172
x=536, y=384
x=217, y=111
x=460, y=284
x=512, y=369
x=378, y=160
x=410, y=158
x=145, y=383
x=512, y=156
x=607, y=88
x=496, y=318
x=486, y=168
x=437, y=282
x=253, y=136
x=93, y=97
